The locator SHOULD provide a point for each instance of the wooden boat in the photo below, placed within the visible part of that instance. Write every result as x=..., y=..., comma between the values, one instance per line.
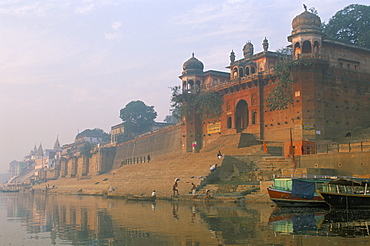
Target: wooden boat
x=10, y=188
x=297, y=192
x=346, y=193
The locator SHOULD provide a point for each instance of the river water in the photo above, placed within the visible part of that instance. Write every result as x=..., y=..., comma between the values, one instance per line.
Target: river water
x=87, y=220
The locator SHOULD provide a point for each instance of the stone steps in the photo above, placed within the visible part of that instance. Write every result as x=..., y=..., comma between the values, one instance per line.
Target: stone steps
x=241, y=164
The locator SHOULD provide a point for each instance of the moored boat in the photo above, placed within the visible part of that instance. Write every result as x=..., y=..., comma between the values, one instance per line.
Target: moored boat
x=346, y=193
x=297, y=192
x=10, y=188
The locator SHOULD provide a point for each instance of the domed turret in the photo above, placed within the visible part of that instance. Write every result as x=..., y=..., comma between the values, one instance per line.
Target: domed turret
x=306, y=22
x=306, y=35
x=193, y=65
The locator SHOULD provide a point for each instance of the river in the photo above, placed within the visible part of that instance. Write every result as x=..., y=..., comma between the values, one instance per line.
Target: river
x=42, y=219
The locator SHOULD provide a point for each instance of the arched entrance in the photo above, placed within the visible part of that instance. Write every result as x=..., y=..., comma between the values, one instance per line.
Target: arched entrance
x=241, y=116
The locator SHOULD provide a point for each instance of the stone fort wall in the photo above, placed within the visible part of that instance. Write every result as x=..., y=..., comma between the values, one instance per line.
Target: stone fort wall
x=164, y=141
x=345, y=164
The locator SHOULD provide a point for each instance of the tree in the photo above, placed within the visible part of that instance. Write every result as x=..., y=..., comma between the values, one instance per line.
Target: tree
x=137, y=117
x=350, y=25
x=170, y=119
x=282, y=95
x=85, y=150
x=96, y=132
x=208, y=104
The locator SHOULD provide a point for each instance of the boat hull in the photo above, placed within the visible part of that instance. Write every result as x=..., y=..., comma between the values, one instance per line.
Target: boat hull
x=285, y=199
x=340, y=200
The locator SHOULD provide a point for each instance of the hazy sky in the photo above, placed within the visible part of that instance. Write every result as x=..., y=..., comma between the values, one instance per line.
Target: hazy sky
x=69, y=65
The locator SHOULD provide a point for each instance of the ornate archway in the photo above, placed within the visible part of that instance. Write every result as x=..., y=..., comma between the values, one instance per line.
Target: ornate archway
x=241, y=116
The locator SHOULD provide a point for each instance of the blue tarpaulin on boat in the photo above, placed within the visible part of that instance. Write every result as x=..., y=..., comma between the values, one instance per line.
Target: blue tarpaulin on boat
x=303, y=189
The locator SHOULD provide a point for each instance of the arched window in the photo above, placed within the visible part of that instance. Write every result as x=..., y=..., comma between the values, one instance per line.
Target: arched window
x=306, y=47
x=235, y=73
x=254, y=117
x=247, y=71
x=297, y=50
x=253, y=70
x=197, y=85
x=316, y=47
x=241, y=74
x=190, y=85
x=184, y=85
x=229, y=122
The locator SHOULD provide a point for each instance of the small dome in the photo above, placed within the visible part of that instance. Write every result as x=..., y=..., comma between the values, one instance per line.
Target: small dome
x=306, y=21
x=193, y=64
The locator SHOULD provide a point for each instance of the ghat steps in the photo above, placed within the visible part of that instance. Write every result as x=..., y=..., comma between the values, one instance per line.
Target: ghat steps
x=239, y=164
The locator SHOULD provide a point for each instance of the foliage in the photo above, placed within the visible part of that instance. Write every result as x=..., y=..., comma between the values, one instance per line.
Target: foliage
x=181, y=103
x=287, y=51
x=282, y=95
x=137, y=117
x=85, y=150
x=96, y=132
x=208, y=105
x=106, y=138
x=350, y=25
x=170, y=119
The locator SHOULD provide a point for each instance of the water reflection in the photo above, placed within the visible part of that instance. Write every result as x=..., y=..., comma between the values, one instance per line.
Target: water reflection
x=347, y=223
x=84, y=220
x=303, y=221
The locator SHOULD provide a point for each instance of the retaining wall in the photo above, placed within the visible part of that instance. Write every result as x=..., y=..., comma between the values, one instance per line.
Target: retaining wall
x=165, y=141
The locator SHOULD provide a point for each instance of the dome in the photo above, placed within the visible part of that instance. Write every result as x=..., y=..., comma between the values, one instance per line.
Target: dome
x=306, y=22
x=193, y=64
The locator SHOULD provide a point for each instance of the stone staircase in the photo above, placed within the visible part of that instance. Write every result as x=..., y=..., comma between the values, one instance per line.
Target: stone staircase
x=239, y=171
x=160, y=174
x=243, y=168
x=25, y=178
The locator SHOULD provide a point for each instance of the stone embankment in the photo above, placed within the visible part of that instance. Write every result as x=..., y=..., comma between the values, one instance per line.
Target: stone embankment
x=237, y=177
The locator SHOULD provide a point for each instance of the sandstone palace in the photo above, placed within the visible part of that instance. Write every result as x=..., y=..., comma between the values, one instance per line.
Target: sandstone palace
x=329, y=89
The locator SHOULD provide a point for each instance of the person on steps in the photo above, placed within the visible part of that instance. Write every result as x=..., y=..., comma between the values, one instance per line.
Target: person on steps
x=193, y=190
x=219, y=155
x=174, y=188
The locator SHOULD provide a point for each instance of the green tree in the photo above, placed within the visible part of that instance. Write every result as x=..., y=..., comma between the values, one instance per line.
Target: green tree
x=170, y=119
x=350, y=25
x=85, y=150
x=96, y=132
x=282, y=95
x=208, y=104
x=137, y=117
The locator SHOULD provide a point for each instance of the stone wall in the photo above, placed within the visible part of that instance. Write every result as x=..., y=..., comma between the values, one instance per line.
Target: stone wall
x=345, y=163
x=165, y=141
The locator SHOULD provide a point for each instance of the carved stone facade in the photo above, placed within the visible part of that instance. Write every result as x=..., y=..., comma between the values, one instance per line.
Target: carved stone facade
x=330, y=91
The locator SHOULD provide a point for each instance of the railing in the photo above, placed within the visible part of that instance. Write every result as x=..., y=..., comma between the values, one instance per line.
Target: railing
x=313, y=55
x=136, y=160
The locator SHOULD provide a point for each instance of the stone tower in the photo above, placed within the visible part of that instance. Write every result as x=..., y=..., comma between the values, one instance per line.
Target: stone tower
x=192, y=83
x=306, y=36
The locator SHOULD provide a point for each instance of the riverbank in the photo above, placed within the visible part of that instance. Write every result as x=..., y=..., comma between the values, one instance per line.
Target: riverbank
x=102, y=185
